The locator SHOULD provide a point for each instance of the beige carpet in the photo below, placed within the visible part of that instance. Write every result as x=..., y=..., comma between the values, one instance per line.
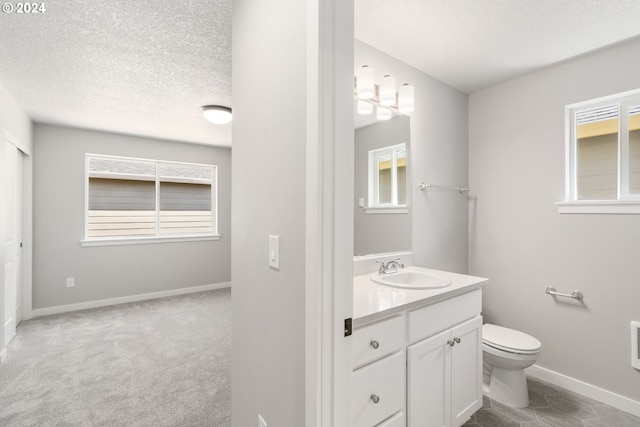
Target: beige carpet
x=163, y=362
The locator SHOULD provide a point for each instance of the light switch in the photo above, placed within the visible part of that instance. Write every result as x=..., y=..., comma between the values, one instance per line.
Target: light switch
x=274, y=252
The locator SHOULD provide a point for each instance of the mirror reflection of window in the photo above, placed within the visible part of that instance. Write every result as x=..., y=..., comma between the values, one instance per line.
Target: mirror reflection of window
x=388, y=173
x=385, y=228
x=634, y=149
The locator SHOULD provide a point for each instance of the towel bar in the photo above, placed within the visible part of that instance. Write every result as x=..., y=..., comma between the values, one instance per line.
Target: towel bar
x=575, y=294
x=424, y=186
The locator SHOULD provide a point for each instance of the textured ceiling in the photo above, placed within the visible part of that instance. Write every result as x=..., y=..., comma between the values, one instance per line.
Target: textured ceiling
x=136, y=67
x=145, y=67
x=473, y=44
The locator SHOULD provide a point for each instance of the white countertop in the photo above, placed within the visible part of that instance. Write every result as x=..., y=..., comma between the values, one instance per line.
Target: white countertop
x=372, y=301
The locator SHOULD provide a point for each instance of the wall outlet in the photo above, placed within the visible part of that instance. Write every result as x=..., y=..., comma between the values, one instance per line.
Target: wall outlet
x=71, y=282
x=261, y=421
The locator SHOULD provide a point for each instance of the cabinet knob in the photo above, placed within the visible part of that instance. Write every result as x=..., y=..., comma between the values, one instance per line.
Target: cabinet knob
x=457, y=340
x=375, y=344
x=375, y=398
x=451, y=342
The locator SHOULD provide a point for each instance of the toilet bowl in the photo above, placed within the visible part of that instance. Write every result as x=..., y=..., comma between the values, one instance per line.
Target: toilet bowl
x=506, y=353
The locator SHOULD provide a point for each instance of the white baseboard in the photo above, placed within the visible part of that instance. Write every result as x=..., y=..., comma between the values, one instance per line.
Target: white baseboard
x=605, y=396
x=3, y=355
x=122, y=300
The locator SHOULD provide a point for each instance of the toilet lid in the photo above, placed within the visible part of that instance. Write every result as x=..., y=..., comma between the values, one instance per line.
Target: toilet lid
x=509, y=339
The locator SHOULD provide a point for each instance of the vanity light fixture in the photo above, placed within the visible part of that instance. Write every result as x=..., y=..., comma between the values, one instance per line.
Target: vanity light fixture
x=383, y=113
x=365, y=84
x=384, y=94
x=216, y=114
x=405, y=99
x=364, y=107
x=387, y=91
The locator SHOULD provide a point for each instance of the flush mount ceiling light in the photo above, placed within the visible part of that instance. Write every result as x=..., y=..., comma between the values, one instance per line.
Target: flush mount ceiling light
x=216, y=114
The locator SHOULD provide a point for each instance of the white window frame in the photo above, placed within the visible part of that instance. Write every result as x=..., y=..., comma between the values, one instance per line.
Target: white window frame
x=625, y=203
x=157, y=238
x=374, y=205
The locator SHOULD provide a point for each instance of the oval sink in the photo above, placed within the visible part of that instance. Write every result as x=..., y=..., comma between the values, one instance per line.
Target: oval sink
x=411, y=279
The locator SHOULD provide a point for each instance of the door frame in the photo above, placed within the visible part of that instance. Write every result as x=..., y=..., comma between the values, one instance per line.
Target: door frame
x=11, y=267
x=27, y=225
x=329, y=212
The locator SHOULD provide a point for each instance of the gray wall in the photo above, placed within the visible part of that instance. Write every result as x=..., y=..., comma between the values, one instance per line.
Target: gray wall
x=113, y=271
x=438, y=156
x=16, y=122
x=269, y=165
x=377, y=233
x=522, y=244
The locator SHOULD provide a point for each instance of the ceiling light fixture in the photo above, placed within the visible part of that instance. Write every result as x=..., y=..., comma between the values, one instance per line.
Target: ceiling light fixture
x=216, y=114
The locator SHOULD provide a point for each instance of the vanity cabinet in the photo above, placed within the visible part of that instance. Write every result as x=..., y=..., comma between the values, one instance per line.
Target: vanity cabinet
x=379, y=391
x=421, y=367
x=444, y=376
x=379, y=376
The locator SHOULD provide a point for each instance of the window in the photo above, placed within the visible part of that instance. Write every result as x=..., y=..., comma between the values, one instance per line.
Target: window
x=603, y=151
x=140, y=199
x=388, y=177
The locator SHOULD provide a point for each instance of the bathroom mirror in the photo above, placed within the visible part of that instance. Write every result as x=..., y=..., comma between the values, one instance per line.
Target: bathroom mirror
x=382, y=214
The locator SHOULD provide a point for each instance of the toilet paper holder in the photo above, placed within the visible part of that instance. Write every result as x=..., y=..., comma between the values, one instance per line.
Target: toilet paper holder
x=575, y=294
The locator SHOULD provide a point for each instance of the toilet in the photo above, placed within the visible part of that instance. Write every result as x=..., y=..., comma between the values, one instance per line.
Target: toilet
x=506, y=353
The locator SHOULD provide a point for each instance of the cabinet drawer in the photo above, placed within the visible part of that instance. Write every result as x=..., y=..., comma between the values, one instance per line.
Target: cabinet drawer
x=383, y=381
x=430, y=320
x=377, y=340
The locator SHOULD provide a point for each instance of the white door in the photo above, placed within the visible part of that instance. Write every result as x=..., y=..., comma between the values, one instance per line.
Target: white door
x=18, y=233
x=12, y=260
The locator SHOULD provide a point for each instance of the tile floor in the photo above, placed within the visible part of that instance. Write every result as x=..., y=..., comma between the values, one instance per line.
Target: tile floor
x=552, y=406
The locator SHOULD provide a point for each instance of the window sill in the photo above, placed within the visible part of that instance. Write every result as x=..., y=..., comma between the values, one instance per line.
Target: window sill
x=147, y=240
x=387, y=210
x=599, y=207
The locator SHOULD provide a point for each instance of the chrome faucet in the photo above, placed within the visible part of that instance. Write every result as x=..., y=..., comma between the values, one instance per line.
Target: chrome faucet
x=390, y=266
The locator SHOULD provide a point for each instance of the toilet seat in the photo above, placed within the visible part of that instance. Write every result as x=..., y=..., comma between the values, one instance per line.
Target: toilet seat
x=509, y=340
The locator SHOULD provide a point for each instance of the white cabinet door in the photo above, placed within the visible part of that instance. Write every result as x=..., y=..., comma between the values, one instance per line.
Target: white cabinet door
x=444, y=377
x=428, y=382
x=466, y=370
